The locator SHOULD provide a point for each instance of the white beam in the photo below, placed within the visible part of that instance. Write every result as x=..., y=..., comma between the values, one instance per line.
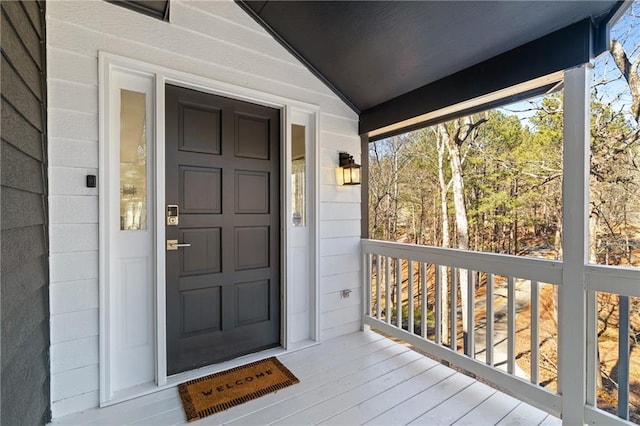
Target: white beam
x=575, y=216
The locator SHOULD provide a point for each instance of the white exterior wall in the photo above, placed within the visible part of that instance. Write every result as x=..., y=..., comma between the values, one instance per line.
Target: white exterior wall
x=216, y=40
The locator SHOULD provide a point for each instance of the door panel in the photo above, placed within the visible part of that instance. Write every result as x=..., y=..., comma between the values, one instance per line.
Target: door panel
x=222, y=170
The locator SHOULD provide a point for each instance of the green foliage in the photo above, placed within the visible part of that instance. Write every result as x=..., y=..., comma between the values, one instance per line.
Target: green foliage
x=417, y=319
x=512, y=175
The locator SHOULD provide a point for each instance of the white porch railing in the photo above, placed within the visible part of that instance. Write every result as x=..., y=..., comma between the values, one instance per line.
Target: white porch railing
x=407, y=295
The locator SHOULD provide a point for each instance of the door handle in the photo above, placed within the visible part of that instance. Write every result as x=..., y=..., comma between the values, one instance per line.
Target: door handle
x=174, y=245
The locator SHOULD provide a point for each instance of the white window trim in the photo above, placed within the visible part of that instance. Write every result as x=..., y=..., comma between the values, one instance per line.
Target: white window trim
x=163, y=76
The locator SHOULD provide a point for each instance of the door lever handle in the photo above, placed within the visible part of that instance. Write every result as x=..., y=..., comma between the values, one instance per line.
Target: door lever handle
x=174, y=245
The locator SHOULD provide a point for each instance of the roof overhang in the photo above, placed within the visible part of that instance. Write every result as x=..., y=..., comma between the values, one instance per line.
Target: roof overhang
x=397, y=63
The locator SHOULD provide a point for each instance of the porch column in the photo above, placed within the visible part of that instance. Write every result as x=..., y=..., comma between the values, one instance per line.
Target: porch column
x=575, y=240
x=364, y=228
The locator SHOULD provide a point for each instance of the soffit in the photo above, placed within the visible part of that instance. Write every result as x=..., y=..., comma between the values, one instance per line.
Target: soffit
x=371, y=52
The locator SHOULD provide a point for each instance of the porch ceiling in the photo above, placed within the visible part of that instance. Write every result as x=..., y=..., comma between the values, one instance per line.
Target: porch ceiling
x=372, y=53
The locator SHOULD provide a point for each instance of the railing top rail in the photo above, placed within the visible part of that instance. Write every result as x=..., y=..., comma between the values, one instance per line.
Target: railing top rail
x=613, y=279
x=541, y=270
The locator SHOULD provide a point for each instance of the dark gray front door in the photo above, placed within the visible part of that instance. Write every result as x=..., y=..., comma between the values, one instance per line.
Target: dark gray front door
x=222, y=171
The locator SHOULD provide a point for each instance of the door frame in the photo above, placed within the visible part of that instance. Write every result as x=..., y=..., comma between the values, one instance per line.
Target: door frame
x=290, y=113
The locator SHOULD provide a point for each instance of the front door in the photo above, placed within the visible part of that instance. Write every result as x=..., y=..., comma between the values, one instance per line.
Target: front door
x=223, y=254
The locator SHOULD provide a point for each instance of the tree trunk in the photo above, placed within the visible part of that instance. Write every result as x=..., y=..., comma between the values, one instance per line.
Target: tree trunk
x=630, y=72
x=444, y=298
x=462, y=225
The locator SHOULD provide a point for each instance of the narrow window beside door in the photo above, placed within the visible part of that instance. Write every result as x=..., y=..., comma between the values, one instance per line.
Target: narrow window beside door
x=133, y=160
x=298, y=174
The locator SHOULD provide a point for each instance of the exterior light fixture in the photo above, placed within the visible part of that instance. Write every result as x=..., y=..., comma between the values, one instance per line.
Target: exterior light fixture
x=350, y=170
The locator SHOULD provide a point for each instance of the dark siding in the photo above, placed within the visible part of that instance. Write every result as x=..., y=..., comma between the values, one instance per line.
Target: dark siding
x=24, y=274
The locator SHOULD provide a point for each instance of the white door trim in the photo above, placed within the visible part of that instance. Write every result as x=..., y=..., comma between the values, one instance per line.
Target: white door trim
x=162, y=76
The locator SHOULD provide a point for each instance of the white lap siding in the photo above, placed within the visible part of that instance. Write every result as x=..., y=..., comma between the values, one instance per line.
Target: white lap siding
x=216, y=40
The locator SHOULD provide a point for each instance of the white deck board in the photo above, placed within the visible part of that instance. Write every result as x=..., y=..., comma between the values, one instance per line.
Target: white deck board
x=491, y=411
x=453, y=409
x=523, y=414
x=355, y=379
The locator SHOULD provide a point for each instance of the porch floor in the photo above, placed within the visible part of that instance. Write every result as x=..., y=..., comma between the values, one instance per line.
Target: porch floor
x=354, y=379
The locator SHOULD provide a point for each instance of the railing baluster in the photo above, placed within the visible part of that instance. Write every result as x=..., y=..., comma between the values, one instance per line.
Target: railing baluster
x=511, y=325
x=453, y=311
x=535, y=332
x=368, y=291
x=438, y=305
x=387, y=283
x=490, y=319
x=471, y=302
x=423, y=302
x=410, y=304
x=593, y=364
x=398, y=293
x=623, y=357
x=378, y=295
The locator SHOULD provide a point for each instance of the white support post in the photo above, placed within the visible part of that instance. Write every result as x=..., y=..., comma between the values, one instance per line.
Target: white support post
x=575, y=217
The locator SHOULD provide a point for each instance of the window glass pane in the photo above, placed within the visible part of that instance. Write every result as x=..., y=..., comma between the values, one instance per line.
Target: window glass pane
x=133, y=160
x=298, y=175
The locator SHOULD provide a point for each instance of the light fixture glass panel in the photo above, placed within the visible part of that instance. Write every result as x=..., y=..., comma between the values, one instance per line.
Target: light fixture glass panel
x=355, y=175
x=346, y=171
x=133, y=160
x=298, y=175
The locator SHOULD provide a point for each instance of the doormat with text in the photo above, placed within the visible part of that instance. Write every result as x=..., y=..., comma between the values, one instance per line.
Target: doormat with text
x=220, y=391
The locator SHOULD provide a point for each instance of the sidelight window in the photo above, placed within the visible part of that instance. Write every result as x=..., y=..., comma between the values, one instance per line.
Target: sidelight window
x=133, y=160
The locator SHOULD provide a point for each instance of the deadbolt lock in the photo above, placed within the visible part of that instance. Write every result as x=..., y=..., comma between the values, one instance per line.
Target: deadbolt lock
x=173, y=213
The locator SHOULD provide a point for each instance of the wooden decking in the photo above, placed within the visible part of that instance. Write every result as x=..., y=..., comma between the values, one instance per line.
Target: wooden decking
x=355, y=379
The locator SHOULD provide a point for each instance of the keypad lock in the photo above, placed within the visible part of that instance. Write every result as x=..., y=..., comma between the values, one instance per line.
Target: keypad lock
x=173, y=214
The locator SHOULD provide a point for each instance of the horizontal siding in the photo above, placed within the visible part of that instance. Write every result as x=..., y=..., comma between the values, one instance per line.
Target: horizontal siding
x=340, y=228
x=18, y=132
x=73, y=209
x=215, y=40
x=19, y=56
x=74, y=382
x=74, y=296
x=31, y=38
x=337, y=282
x=26, y=208
x=71, y=404
x=74, y=326
x=24, y=327
x=67, y=95
x=339, y=245
x=68, y=238
x=75, y=354
x=71, y=152
x=21, y=171
x=73, y=266
x=23, y=99
x=24, y=300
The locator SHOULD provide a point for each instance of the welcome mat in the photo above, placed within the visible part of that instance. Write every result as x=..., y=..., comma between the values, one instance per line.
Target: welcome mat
x=221, y=391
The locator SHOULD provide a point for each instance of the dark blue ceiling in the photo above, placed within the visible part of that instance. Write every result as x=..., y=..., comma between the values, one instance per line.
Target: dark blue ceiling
x=372, y=53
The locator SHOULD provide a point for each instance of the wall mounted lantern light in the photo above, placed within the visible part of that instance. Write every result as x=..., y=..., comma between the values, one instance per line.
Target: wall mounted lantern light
x=350, y=170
